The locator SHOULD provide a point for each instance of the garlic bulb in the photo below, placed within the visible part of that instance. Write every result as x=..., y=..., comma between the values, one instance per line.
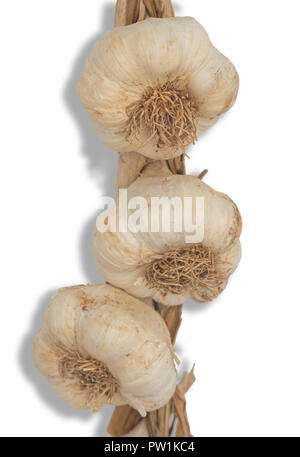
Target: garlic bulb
x=153, y=86
x=163, y=265
x=99, y=345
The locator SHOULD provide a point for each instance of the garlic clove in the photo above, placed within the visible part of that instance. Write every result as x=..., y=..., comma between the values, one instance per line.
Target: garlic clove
x=217, y=81
x=62, y=315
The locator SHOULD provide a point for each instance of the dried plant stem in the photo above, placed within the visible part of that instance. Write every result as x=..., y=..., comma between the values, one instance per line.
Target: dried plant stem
x=131, y=11
x=202, y=174
x=163, y=421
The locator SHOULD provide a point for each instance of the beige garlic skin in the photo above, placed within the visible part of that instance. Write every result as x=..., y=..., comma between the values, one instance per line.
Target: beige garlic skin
x=123, y=258
x=99, y=325
x=127, y=62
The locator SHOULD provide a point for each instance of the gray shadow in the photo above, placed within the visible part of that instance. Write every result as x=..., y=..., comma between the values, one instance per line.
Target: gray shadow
x=192, y=306
x=177, y=8
x=86, y=252
x=105, y=416
x=102, y=162
x=186, y=362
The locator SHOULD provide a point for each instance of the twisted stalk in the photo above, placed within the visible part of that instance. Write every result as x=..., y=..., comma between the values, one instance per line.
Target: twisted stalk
x=172, y=418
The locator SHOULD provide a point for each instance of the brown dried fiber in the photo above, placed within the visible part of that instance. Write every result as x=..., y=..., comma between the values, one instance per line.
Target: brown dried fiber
x=165, y=113
x=180, y=269
x=93, y=375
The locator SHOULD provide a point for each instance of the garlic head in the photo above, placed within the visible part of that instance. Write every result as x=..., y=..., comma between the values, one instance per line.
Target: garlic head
x=163, y=265
x=100, y=345
x=154, y=86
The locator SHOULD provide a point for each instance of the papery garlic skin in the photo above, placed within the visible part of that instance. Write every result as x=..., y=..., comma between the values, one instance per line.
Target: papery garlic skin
x=104, y=324
x=127, y=61
x=122, y=258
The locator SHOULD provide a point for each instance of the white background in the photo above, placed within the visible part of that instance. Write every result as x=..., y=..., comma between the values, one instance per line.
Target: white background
x=54, y=170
